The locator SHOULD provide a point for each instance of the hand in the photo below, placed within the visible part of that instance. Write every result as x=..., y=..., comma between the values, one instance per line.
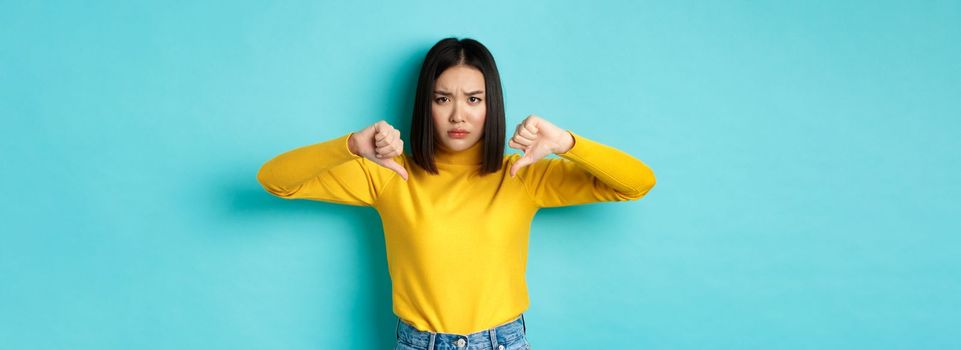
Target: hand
x=537, y=138
x=380, y=143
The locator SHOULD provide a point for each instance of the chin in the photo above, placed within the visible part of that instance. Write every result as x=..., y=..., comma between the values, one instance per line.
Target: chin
x=457, y=145
x=460, y=144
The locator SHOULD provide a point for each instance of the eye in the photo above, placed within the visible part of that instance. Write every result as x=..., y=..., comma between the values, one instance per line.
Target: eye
x=438, y=100
x=478, y=99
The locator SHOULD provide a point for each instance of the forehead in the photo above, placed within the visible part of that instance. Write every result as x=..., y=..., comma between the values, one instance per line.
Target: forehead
x=460, y=78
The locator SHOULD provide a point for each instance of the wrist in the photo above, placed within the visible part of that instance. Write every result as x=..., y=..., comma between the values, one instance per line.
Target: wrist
x=352, y=144
x=566, y=143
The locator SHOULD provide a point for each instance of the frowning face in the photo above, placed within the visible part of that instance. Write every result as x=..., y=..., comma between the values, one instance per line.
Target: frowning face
x=459, y=107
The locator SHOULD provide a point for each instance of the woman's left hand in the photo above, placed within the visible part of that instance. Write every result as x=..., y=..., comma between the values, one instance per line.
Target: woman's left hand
x=537, y=137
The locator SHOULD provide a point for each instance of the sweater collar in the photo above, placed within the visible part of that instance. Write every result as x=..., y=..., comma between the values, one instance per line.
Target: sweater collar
x=473, y=155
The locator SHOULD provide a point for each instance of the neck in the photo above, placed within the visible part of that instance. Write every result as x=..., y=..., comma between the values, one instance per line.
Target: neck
x=473, y=155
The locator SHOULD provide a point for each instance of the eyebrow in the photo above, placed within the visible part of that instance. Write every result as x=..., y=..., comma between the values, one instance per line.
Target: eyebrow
x=441, y=92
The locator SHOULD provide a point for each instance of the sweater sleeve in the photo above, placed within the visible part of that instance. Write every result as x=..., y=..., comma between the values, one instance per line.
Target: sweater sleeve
x=326, y=171
x=588, y=172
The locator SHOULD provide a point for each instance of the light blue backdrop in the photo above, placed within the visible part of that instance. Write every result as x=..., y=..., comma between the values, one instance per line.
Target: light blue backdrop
x=806, y=155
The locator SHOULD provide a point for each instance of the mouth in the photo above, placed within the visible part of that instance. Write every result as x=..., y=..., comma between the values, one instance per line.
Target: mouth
x=458, y=133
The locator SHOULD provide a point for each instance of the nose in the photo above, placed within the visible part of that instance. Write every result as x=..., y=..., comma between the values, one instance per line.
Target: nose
x=455, y=115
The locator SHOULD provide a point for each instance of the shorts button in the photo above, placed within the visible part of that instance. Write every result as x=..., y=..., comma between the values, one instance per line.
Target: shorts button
x=500, y=347
x=460, y=342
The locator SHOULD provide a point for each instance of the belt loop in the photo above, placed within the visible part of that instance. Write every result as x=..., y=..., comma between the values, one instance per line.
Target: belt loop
x=524, y=323
x=432, y=338
x=397, y=329
x=493, y=334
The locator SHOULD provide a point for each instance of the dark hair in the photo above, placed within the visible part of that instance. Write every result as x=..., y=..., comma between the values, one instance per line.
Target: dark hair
x=445, y=54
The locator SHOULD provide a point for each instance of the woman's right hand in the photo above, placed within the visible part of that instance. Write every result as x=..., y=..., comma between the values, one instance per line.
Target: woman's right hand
x=380, y=143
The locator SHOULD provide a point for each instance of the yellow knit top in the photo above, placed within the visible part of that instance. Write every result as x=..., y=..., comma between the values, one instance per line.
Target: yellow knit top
x=457, y=241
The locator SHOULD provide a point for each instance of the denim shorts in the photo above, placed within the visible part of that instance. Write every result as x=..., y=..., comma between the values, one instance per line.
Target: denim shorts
x=508, y=336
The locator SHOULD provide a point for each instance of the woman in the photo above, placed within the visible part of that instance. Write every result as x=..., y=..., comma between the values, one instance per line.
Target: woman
x=457, y=212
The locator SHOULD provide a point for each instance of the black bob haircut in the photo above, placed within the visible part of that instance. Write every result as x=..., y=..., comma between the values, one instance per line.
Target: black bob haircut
x=444, y=54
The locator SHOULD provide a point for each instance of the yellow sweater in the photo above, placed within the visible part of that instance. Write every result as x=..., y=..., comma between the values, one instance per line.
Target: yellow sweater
x=457, y=241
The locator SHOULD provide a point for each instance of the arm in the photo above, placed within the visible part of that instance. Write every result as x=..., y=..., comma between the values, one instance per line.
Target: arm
x=326, y=171
x=587, y=172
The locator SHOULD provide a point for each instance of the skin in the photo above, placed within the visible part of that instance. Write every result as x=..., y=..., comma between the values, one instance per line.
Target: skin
x=537, y=138
x=458, y=102
x=379, y=142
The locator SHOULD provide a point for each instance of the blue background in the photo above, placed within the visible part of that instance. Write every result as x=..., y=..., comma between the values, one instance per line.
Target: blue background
x=806, y=154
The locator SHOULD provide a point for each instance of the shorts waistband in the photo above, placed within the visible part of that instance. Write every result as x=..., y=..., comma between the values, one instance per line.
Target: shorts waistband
x=505, y=333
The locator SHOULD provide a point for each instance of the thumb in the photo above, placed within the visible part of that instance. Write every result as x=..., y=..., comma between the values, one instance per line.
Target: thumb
x=526, y=160
x=392, y=165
